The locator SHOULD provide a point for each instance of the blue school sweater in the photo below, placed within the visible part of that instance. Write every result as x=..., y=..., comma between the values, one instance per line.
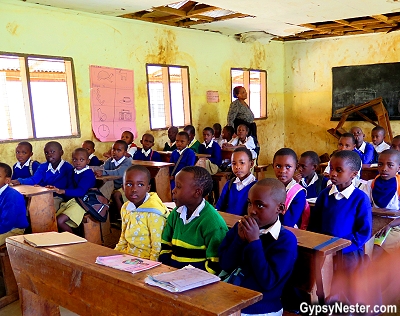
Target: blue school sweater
x=214, y=151
x=293, y=213
x=266, y=265
x=237, y=200
x=188, y=159
x=80, y=183
x=312, y=188
x=12, y=210
x=24, y=172
x=153, y=156
x=44, y=177
x=110, y=169
x=367, y=156
x=346, y=218
x=94, y=161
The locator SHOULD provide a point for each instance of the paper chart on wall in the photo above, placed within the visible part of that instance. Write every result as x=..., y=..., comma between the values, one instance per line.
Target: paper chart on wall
x=112, y=102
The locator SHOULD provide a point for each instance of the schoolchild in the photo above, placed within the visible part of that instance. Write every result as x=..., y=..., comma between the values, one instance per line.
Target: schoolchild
x=218, y=134
x=25, y=167
x=378, y=136
x=181, y=156
x=396, y=143
x=364, y=150
x=13, y=220
x=128, y=138
x=93, y=160
x=194, y=229
x=172, y=132
x=234, y=195
x=285, y=163
x=146, y=153
x=143, y=216
x=309, y=179
x=116, y=166
x=211, y=147
x=243, y=139
x=70, y=213
x=55, y=172
x=383, y=192
x=227, y=135
x=343, y=210
x=259, y=250
x=346, y=141
x=193, y=142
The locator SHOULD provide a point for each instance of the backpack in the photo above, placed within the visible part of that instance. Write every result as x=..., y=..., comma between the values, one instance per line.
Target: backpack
x=94, y=203
x=30, y=167
x=305, y=216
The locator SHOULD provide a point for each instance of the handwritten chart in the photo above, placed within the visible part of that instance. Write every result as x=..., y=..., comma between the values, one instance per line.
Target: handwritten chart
x=112, y=102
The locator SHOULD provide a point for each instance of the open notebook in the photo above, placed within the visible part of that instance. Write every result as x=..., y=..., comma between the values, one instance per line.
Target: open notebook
x=181, y=280
x=52, y=239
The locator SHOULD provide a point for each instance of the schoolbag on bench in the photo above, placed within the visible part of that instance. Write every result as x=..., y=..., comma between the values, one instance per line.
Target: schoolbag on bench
x=95, y=203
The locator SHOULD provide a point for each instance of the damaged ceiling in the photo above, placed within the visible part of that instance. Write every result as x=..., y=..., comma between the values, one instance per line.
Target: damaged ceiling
x=253, y=19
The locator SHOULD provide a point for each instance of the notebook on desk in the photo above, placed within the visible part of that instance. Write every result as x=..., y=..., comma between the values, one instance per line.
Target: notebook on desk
x=52, y=239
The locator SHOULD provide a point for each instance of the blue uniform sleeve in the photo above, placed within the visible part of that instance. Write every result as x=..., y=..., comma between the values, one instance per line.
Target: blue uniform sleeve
x=202, y=149
x=231, y=250
x=12, y=211
x=37, y=177
x=156, y=156
x=191, y=159
x=216, y=157
x=295, y=210
x=368, y=155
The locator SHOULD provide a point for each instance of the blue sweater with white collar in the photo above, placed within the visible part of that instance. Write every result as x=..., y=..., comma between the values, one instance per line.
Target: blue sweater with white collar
x=12, y=210
x=80, y=183
x=25, y=171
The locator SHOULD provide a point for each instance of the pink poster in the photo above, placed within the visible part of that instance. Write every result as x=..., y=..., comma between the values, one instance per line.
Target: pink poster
x=112, y=102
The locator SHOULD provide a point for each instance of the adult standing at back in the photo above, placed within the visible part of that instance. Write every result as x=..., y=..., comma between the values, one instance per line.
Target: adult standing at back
x=240, y=112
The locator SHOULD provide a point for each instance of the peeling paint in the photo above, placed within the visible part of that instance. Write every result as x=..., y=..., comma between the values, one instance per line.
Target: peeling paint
x=12, y=28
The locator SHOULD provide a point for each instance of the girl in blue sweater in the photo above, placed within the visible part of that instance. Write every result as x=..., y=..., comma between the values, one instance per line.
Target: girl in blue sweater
x=233, y=198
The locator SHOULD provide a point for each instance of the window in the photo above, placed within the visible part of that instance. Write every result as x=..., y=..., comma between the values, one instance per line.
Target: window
x=169, y=97
x=37, y=97
x=255, y=83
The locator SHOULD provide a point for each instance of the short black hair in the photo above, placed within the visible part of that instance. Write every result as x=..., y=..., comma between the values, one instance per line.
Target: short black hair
x=189, y=129
x=396, y=137
x=349, y=135
x=285, y=152
x=122, y=142
x=138, y=168
x=184, y=134
x=27, y=144
x=229, y=129
x=247, y=128
x=54, y=143
x=217, y=126
x=379, y=129
x=7, y=169
x=81, y=150
x=208, y=129
x=148, y=134
x=174, y=129
x=278, y=190
x=130, y=133
x=351, y=158
x=90, y=143
x=201, y=177
x=312, y=155
x=391, y=152
x=244, y=150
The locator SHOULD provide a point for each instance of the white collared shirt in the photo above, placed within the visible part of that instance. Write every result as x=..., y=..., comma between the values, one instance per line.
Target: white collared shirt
x=241, y=184
x=209, y=144
x=381, y=147
x=132, y=207
x=290, y=185
x=146, y=153
x=274, y=230
x=3, y=188
x=342, y=194
x=180, y=152
x=131, y=149
x=82, y=170
x=304, y=183
x=183, y=211
x=91, y=156
x=50, y=167
x=26, y=164
x=117, y=163
x=362, y=147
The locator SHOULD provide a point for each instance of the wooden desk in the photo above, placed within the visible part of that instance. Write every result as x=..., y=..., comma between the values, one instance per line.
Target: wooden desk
x=67, y=276
x=226, y=152
x=40, y=206
x=106, y=185
x=160, y=172
x=378, y=222
x=313, y=271
x=368, y=172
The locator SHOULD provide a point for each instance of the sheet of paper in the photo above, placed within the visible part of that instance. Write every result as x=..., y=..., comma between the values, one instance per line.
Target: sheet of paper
x=212, y=96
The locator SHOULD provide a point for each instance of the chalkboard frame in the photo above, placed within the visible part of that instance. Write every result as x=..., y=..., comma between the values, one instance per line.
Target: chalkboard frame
x=361, y=83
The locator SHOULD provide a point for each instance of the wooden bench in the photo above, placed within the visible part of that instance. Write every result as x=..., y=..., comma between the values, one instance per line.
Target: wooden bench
x=10, y=284
x=219, y=180
x=259, y=171
x=92, y=230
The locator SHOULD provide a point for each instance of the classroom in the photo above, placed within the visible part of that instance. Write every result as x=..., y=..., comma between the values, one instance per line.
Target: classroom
x=299, y=72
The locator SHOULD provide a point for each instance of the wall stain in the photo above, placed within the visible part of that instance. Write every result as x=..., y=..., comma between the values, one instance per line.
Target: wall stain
x=12, y=28
x=165, y=51
x=258, y=59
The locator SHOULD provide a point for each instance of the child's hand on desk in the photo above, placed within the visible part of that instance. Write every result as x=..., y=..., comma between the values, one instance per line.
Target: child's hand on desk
x=15, y=182
x=297, y=176
x=98, y=173
x=58, y=191
x=250, y=228
x=224, y=145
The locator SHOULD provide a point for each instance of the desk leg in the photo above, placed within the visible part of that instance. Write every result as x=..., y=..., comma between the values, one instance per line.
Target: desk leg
x=33, y=304
x=163, y=185
x=369, y=246
x=323, y=276
x=42, y=214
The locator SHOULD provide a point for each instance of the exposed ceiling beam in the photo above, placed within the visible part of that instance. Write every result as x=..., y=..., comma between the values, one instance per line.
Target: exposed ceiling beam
x=384, y=19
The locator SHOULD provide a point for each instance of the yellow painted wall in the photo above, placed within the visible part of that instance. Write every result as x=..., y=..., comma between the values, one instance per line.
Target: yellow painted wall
x=115, y=42
x=308, y=85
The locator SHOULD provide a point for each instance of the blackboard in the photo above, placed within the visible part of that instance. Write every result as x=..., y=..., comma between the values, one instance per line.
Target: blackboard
x=360, y=84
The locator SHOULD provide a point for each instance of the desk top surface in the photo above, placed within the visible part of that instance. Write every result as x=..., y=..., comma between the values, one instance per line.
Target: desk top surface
x=305, y=239
x=385, y=212
x=155, y=164
x=378, y=222
x=81, y=258
x=30, y=190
